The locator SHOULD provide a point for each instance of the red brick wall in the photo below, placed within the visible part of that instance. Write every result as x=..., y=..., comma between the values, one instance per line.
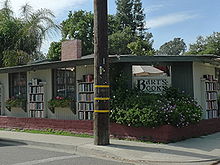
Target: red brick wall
x=71, y=49
x=164, y=133
x=41, y=123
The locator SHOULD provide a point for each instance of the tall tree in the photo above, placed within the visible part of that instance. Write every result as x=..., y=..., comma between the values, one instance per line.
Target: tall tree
x=138, y=18
x=206, y=45
x=124, y=14
x=174, y=47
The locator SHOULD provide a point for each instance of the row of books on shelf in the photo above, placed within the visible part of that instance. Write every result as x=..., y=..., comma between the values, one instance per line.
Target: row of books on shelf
x=85, y=115
x=35, y=81
x=211, y=105
x=37, y=114
x=212, y=114
x=33, y=98
x=86, y=106
x=210, y=86
x=86, y=87
x=211, y=95
x=86, y=97
x=37, y=89
x=36, y=106
x=209, y=77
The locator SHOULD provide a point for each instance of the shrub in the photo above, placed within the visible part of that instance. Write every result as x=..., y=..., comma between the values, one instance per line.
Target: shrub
x=135, y=108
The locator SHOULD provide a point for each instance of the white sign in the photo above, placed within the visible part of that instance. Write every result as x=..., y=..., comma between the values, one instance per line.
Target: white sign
x=152, y=84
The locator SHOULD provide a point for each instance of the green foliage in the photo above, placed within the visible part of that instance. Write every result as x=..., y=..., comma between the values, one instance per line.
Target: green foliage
x=125, y=42
x=135, y=108
x=13, y=58
x=141, y=47
x=124, y=14
x=15, y=102
x=118, y=42
x=130, y=13
x=206, y=45
x=59, y=102
x=127, y=26
x=139, y=18
x=175, y=47
x=54, y=52
x=79, y=25
x=23, y=35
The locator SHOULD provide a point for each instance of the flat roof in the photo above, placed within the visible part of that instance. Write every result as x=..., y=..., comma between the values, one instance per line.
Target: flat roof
x=135, y=60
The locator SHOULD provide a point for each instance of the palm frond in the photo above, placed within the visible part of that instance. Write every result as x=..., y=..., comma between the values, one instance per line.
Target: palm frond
x=26, y=11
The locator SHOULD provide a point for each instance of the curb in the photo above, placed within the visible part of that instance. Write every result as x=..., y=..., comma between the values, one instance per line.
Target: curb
x=86, y=149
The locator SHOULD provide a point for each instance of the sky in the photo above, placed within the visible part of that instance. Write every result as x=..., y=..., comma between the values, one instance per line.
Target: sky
x=166, y=19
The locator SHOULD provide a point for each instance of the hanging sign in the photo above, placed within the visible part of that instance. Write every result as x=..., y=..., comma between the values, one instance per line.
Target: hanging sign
x=152, y=84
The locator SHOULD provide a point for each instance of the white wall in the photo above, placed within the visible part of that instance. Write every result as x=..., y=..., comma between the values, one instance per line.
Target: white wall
x=200, y=69
x=83, y=70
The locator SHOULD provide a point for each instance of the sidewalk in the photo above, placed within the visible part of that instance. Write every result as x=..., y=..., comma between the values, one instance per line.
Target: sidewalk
x=203, y=150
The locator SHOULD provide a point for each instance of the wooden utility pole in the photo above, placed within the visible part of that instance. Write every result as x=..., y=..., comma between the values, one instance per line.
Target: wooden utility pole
x=101, y=72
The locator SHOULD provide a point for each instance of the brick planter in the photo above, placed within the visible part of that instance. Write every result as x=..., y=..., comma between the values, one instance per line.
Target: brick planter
x=164, y=133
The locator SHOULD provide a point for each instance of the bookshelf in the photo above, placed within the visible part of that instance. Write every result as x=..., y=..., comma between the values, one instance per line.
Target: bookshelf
x=85, y=98
x=36, y=98
x=210, y=96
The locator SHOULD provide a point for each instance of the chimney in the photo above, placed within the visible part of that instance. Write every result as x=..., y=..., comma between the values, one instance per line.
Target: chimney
x=71, y=50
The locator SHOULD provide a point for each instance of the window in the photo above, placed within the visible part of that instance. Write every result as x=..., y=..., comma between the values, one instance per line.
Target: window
x=64, y=82
x=18, y=85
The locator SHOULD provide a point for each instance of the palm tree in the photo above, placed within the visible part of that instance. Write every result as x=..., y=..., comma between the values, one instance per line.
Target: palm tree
x=33, y=27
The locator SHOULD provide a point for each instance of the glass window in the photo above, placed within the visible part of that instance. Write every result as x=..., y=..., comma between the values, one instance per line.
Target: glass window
x=64, y=82
x=18, y=85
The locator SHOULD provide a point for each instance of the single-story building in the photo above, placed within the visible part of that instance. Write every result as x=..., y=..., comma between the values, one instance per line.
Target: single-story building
x=72, y=77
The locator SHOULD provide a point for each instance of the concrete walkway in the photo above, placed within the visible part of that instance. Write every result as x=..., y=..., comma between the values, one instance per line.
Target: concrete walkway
x=203, y=150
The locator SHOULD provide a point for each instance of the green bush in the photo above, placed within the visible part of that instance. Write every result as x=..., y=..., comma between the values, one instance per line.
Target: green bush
x=135, y=108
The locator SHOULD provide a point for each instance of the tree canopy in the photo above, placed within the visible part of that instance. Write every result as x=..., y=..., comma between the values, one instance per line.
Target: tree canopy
x=174, y=47
x=126, y=27
x=79, y=25
x=206, y=45
x=21, y=37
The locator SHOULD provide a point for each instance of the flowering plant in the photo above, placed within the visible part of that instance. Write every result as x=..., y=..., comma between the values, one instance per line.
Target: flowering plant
x=16, y=102
x=59, y=102
x=172, y=107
